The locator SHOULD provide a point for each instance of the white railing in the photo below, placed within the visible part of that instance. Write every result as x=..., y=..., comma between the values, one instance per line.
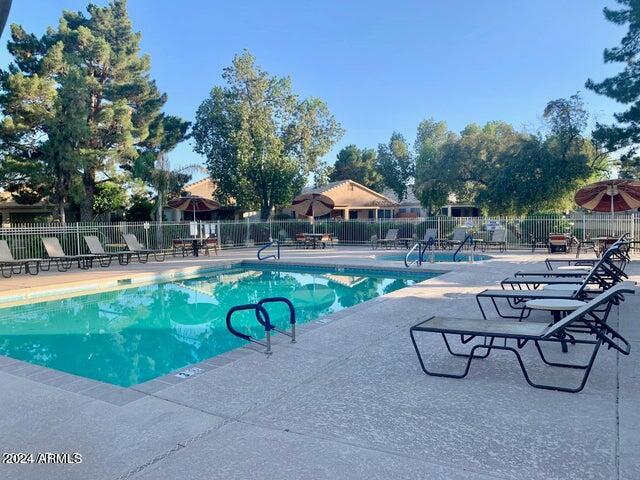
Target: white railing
x=25, y=239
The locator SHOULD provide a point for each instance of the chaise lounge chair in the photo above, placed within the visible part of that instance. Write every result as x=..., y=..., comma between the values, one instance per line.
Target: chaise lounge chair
x=104, y=257
x=586, y=326
x=605, y=273
x=390, y=240
x=8, y=264
x=459, y=236
x=139, y=250
x=62, y=260
x=498, y=239
x=517, y=299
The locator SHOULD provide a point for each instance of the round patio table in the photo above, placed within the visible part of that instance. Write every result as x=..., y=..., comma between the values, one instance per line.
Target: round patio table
x=604, y=243
x=557, y=307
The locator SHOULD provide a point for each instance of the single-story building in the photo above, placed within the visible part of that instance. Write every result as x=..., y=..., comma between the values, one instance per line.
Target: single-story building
x=205, y=188
x=410, y=207
x=353, y=201
x=15, y=213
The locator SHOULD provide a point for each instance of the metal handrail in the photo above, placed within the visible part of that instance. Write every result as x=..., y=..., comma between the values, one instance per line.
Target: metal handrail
x=467, y=239
x=264, y=247
x=421, y=251
x=265, y=321
x=292, y=315
x=406, y=257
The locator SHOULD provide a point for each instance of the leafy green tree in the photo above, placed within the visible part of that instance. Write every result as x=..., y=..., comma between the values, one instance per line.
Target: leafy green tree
x=624, y=88
x=123, y=103
x=428, y=186
x=508, y=172
x=359, y=165
x=109, y=198
x=395, y=164
x=261, y=141
x=140, y=209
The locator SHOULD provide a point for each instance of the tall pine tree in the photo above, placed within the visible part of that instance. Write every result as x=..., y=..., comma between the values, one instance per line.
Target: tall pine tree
x=122, y=116
x=624, y=88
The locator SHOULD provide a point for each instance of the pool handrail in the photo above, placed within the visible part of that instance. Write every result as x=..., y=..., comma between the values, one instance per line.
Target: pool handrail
x=467, y=239
x=266, y=322
x=292, y=315
x=264, y=247
x=421, y=252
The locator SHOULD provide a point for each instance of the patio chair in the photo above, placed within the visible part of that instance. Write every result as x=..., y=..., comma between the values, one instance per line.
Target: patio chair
x=498, y=239
x=182, y=246
x=104, y=258
x=140, y=251
x=459, y=235
x=586, y=326
x=570, y=289
x=390, y=240
x=430, y=236
x=559, y=242
x=210, y=243
x=8, y=264
x=301, y=240
x=62, y=260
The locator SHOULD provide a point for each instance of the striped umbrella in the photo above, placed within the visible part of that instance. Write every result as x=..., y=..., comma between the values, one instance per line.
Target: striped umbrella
x=193, y=203
x=610, y=196
x=312, y=204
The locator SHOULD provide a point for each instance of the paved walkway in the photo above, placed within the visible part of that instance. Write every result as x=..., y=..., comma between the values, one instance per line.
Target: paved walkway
x=348, y=401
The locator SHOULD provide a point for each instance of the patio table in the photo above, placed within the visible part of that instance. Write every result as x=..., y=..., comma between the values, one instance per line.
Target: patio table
x=317, y=238
x=196, y=244
x=603, y=243
x=558, y=308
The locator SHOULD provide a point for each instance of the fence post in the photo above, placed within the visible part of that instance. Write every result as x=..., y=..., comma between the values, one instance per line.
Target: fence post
x=78, y=238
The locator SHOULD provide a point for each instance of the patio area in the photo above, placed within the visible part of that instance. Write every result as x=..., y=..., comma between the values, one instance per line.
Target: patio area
x=348, y=400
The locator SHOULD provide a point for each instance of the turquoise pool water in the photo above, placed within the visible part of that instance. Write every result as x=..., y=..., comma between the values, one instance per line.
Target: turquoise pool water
x=439, y=256
x=133, y=335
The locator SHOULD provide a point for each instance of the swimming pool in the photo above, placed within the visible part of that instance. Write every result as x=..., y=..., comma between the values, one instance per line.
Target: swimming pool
x=132, y=335
x=439, y=256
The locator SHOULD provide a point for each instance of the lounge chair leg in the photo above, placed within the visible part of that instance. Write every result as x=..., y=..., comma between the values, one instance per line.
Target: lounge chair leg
x=470, y=357
x=6, y=273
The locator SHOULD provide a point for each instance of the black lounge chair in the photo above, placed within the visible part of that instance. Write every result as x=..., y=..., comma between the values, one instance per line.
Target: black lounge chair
x=9, y=265
x=604, y=273
x=586, y=326
x=390, y=240
x=498, y=239
x=62, y=260
x=459, y=236
x=621, y=258
x=140, y=251
x=517, y=298
x=104, y=257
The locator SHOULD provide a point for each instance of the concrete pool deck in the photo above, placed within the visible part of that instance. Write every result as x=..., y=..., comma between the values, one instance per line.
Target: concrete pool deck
x=347, y=401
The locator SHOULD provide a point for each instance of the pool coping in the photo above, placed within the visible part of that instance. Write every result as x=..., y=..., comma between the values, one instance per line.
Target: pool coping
x=121, y=396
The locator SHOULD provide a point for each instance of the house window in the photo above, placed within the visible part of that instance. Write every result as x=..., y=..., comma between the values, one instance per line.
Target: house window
x=371, y=214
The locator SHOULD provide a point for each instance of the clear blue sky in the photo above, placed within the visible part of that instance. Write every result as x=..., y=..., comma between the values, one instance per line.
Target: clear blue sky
x=381, y=66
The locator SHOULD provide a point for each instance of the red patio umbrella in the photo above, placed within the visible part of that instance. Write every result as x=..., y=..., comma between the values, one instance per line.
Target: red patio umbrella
x=610, y=196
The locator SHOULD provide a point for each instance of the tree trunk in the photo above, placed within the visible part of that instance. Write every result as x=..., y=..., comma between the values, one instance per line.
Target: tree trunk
x=61, y=213
x=265, y=211
x=86, y=206
x=159, y=205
